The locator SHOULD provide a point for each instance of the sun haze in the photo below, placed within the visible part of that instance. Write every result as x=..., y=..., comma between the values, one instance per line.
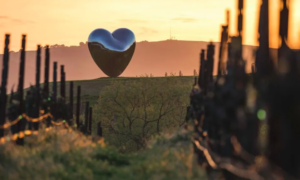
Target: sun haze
x=69, y=22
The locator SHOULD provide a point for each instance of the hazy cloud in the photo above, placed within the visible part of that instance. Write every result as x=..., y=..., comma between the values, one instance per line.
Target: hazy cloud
x=185, y=20
x=146, y=30
x=133, y=20
x=15, y=20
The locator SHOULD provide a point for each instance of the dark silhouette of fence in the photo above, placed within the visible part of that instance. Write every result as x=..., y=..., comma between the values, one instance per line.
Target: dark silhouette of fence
x=229, y=111
x=25, y=114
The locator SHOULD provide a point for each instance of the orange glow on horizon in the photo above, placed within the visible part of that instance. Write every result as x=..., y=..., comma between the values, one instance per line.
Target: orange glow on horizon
x=69, y=22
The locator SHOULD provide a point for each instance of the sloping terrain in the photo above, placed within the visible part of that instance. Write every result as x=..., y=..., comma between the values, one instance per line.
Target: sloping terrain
x=62, y=155
x=154, y=58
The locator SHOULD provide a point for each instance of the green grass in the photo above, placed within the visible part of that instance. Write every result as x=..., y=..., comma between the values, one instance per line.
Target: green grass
x=90, y=89
x=62, y=155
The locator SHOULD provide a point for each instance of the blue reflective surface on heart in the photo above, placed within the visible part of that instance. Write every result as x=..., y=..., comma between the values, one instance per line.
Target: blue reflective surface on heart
x=120, y=40
x=112, y=52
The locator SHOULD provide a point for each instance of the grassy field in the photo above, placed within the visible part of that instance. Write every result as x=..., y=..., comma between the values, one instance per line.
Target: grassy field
x=90, y=89
x=62, y=155
x=58, y=154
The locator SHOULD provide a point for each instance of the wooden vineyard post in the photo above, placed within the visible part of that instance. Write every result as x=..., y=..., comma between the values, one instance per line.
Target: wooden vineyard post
x=37, y=88
x=78, y=106
x=210, y=62
x=71, y=103
x=62, y=82
x=90, y=121
x=99, y=130
x=3, y=85
x=86, y=117
x=202, y=69
x=54, y=90
x=22, y=123
x=46, y=73
x=46, y=94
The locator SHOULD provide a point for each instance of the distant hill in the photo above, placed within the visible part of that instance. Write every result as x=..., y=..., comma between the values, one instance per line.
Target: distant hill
x=149, y=57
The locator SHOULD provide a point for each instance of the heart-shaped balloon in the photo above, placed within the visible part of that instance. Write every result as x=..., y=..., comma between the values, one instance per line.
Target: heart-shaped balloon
x=112, y=52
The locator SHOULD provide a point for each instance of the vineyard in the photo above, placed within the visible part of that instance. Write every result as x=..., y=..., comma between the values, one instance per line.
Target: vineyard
x=231, y=126
x=229, y=112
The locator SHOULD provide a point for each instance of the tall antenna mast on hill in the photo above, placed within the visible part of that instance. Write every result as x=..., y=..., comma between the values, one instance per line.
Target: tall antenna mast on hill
x=171, y=37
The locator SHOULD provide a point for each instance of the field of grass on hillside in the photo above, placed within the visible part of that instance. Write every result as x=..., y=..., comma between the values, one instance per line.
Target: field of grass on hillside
x=90, y=89
x=59, y=154
x=62, y=155
x=145, y=141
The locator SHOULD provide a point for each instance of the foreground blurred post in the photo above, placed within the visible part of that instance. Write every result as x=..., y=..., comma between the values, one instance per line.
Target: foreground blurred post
x=3, y=95
x=22, y=123
x=263, y=63
x=283, y=31
x=201, y=78
x=283, y=105
x=252, y=68
x=222, y=51
x=210, y=62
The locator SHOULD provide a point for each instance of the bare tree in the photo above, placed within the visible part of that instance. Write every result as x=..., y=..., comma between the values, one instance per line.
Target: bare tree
x=143, y=108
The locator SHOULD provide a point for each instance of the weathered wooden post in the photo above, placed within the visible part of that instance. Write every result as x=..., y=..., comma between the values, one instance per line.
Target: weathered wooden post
x=90, y=121
x=283, y=30
x=78, y=106
x=223, y=47
x=62, y=82
x=46, y=95
x=252, y=68
x=46, y=73
x=210, y=62
x=55, y=80
x=11, y=95
x=3, y=84
x=99, y=129
x=236, y=74
x=71, y=102
x=64, y=86
x=187, y=116
x=54, y=98
x=202, y=68
x=283, y=111
x=37, y=88
x=86, y=117
x=22, y=123
x=263, y=64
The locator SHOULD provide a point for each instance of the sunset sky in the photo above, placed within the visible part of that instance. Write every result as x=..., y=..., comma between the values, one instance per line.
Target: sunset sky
x=70, y=21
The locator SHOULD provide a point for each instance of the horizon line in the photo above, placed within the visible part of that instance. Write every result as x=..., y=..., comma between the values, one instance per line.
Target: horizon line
x=78, y=45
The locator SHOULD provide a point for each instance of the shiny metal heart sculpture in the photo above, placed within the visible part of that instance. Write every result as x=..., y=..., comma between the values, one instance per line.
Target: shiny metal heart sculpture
x=112, y=52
